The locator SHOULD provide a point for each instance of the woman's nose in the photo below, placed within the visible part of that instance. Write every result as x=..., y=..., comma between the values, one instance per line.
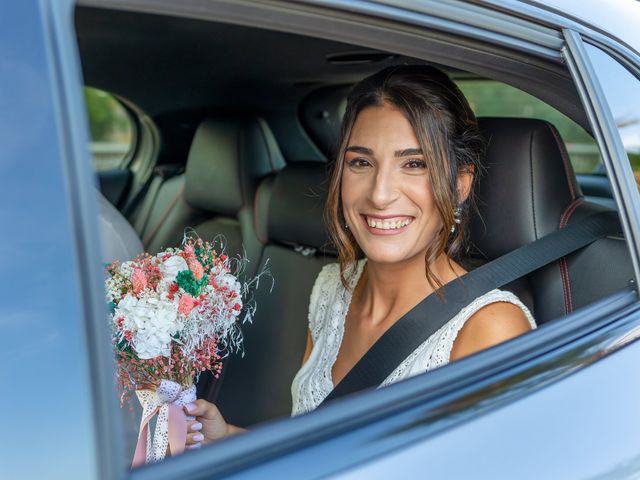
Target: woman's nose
x=384, y=189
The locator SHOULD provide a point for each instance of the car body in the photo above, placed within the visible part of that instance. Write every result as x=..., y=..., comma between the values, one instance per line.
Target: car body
x=561, y=402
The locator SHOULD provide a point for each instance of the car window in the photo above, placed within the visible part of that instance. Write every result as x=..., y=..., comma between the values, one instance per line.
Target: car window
x=490, y=98
x=621, y=91
x=112, y=130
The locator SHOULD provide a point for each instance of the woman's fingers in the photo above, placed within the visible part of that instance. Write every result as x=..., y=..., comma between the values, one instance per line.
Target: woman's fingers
x=193, y=426
x=194, y=438
x=201, y=408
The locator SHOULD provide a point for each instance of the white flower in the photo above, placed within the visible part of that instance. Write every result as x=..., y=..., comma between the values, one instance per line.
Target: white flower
x=172, y=266
x=126, y=269
x=152, y=322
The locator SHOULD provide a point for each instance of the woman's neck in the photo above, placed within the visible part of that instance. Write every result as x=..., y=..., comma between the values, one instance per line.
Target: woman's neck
x=386, y=291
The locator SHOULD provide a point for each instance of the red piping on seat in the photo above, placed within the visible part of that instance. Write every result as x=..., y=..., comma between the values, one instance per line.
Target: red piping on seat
x=562, y=263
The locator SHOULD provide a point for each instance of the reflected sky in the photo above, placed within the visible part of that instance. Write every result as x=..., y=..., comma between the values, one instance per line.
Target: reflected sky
x=46, y=428
x=620, y=17
x=622, y=91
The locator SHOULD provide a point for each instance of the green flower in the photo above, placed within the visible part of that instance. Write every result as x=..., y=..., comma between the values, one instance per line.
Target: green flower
x=189, y=284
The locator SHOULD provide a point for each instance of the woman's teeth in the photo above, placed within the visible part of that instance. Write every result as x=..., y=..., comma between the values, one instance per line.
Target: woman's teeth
x=386, y=224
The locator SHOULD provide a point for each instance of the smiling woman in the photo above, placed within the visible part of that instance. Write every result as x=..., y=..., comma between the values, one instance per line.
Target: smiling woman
x=399, y=192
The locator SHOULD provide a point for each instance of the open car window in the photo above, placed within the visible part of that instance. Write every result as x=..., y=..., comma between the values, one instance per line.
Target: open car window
x=492, y=99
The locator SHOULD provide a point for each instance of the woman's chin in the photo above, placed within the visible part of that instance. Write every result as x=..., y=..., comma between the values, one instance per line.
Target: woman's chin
x=386, y=257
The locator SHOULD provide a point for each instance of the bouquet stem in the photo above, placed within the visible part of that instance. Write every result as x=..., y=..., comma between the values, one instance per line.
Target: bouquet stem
x=167, y=402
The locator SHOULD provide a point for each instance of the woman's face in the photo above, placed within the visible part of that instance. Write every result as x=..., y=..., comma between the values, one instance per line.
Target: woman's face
x=386, y=194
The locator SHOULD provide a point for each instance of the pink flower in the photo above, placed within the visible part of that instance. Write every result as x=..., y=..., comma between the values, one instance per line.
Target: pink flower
x=196, y=268
x=189, y=251
x=186, y=304
x=139, y=281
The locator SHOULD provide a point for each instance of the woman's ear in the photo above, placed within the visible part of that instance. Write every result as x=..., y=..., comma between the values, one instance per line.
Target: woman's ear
x=465, y=180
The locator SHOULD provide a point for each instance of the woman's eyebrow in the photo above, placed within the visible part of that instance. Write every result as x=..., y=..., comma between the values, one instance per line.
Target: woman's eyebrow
x=407, y=152
x=362, y=150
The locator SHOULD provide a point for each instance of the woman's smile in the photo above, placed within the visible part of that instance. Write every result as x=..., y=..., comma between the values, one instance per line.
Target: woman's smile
x=388, y=224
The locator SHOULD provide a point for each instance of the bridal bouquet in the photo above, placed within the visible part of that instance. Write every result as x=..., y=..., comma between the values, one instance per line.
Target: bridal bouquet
x=172, y=317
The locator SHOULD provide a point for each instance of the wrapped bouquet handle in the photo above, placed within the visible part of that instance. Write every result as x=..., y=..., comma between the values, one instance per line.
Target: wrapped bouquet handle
x=167, y=402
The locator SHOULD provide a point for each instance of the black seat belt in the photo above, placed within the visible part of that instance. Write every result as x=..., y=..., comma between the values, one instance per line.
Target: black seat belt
x=428, y=316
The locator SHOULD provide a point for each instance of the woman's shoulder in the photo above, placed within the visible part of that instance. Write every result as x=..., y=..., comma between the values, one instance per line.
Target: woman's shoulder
x=493, y=318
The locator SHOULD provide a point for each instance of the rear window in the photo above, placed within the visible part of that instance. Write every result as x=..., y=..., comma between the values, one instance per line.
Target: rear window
x=112, y=130
x=489, y=98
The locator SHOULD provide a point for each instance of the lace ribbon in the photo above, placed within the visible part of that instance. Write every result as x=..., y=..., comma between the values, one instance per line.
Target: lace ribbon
x=171, y=425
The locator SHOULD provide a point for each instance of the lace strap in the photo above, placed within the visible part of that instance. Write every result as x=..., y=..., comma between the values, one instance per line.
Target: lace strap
x=321, y=294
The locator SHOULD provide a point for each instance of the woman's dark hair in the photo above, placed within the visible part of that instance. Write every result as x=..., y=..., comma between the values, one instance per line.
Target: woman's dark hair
x=448, y=133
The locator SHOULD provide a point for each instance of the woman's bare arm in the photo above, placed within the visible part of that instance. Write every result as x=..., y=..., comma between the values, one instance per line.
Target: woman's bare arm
x=493, y=324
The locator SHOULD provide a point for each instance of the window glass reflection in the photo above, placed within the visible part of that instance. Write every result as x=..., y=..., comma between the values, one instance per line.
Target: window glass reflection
x=621, y=89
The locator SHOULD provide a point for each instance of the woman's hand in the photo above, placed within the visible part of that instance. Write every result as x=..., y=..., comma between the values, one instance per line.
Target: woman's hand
x=208, y=426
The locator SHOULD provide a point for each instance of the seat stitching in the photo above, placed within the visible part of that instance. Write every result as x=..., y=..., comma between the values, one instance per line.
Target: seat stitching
x=564, y=285
x=562, y=263
x=568, y=212
x=566, y=272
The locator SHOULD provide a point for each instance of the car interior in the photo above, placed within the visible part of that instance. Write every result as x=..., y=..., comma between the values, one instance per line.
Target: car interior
x=243, y=122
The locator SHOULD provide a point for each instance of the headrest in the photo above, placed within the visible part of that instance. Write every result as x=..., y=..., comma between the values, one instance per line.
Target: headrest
x=527, y=184
x=226, y=160
x=290, y=205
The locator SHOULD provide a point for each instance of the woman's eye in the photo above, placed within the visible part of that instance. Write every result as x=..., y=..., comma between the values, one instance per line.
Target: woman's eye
x=416, y=164
x=358, y=162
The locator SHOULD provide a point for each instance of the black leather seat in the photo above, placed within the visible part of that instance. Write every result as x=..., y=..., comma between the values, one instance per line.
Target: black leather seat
x=529, y=190
x=289, y=221
x=215, y=195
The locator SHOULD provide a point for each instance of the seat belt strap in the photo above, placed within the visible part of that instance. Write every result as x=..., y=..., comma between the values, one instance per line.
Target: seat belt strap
x=428, y=316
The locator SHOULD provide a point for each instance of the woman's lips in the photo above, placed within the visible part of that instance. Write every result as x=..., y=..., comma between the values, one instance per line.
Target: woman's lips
x=387, y=225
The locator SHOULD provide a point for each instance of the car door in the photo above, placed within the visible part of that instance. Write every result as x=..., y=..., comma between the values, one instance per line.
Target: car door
x=55, y=419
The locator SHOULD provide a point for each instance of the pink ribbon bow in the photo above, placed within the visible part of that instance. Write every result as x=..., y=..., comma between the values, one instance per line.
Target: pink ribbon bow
x=171, y=426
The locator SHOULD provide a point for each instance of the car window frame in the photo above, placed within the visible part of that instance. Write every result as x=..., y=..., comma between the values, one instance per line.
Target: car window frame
x=612, y=151
x=236, y=454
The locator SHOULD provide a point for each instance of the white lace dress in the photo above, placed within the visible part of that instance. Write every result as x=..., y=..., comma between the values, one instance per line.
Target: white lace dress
x=328, y=308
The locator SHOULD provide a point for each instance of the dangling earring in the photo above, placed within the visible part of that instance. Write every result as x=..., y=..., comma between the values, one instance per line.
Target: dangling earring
x=457, y=214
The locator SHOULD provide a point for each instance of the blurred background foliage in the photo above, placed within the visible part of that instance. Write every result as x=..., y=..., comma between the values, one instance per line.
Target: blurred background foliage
x=112, y=129
x=489, y=98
